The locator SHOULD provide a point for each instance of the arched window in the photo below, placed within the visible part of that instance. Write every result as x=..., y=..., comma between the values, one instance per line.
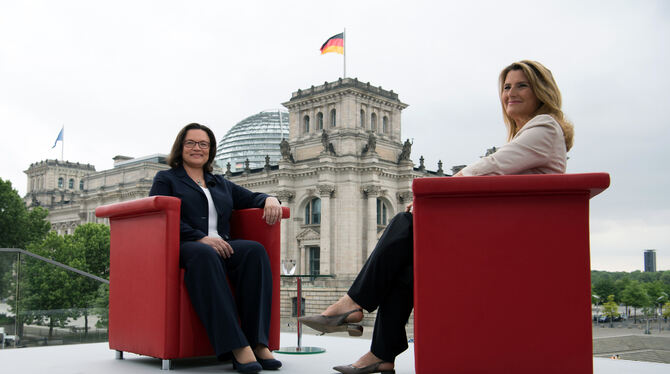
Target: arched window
x=313, y=212
x=305, y=121
x=385, y=125
x=319, y=121
x=332, y=118
x=81, y=185
x=362, y=118
x=70, y=184
x=382, y=213
x=373, y=122
x=60, y=182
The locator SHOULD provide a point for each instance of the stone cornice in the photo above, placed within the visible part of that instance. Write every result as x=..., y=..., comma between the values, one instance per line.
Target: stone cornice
x=346, y=86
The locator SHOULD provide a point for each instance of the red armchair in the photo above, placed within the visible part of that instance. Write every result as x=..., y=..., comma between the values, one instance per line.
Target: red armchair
x=502, y=273
x=150, y=312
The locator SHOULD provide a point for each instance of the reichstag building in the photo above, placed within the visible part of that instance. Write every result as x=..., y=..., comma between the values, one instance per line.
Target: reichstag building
x=336, y=158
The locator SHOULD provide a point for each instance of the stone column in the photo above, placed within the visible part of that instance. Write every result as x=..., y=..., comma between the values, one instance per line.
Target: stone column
x=371, y=192
x=286, y=198
x=326, y=247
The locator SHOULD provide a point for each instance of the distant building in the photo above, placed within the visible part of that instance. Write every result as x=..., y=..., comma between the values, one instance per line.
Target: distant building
x=650, y=260
x=71, y=191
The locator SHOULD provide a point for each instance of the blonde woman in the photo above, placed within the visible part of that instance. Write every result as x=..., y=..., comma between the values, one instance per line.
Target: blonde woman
x=538, y=137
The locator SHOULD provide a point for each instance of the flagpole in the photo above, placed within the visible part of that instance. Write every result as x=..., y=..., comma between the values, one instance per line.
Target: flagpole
x=62, y=144
x=344, y=54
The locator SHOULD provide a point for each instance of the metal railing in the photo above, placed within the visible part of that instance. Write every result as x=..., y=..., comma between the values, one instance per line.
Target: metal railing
x=20, y=252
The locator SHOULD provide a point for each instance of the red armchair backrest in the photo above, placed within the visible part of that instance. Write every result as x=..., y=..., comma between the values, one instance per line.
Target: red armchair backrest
x=492, y=256
x=150, y=313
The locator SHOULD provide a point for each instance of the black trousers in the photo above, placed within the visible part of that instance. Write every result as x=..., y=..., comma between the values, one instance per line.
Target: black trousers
x=207, y=275
x=386, y=281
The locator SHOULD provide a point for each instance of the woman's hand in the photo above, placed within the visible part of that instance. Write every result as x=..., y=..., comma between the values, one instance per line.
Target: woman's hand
x=272, y=210
x=408, y=209
x=219, y=245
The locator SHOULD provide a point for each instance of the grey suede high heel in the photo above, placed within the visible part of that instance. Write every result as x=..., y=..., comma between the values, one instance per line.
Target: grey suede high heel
x=326, y=324
x=374, y=368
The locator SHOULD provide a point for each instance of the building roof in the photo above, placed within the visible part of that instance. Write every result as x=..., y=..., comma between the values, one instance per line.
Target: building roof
x=253, y=138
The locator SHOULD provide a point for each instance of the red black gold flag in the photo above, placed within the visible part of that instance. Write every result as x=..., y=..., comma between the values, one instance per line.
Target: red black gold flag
x=334, y=44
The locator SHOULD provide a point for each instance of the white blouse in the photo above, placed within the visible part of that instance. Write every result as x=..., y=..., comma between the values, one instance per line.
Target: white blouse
x=213, y=215
x=538, y=148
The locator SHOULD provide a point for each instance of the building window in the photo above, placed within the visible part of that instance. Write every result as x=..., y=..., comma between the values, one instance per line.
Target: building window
x=70, y=184
x=60, y=182
x=313, y=212
x=332, y=118
x=362, y=118
x=319, y=121
x=81, y=185
x=382, y=213
x=385, y=125
x=314, y=260
x=305, y=121
x=373, y=122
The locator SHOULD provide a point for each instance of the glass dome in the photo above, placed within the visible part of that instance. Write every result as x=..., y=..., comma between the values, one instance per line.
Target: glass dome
x=253, y=138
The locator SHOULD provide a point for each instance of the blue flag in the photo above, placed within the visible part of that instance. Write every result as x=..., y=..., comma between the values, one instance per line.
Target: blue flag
x=60, y=137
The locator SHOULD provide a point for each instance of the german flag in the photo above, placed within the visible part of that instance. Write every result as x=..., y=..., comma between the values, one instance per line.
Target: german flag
x=334, y=44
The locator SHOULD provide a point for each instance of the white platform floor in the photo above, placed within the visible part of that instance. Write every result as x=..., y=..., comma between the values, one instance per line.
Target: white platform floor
x=97, y=358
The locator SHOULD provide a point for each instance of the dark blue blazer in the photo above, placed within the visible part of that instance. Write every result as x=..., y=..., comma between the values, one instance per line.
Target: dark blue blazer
x=226, y=195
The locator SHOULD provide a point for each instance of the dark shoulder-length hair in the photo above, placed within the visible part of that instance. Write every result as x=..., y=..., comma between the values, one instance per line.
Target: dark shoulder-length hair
x=175, y=158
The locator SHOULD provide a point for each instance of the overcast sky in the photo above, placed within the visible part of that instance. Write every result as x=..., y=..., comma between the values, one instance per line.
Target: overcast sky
x=125, y=76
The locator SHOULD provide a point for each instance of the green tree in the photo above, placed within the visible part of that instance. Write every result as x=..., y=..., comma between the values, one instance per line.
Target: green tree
x=49, y=292
x=603, y=287
x=102, y=305
x=48, y=288
x=621, y=285
x=666, y=310
x=18, y=225
x=18, y=228
x=611, y=309
x=654, y=289
x=91, y=247
x=635, y=295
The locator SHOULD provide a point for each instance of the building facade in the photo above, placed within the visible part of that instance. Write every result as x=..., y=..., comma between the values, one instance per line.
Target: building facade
x=343, y=170
x=72, y=191
x=650, y=260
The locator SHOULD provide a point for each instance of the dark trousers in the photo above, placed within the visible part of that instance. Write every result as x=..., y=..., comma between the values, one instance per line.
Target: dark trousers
x=386, y=281
x=207, y=275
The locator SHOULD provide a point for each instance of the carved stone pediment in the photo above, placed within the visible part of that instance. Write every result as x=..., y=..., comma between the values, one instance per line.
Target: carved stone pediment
x=308, y=233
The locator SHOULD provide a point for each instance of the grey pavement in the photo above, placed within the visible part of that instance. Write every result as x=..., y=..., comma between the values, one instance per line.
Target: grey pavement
x=98, y=358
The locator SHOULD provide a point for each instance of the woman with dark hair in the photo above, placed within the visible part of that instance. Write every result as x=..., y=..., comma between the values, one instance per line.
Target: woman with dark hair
x=538, y=140
x=212, y=259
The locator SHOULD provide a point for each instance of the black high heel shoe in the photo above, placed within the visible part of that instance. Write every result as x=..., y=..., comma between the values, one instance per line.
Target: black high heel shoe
x=326, y=324
x=248, y=368
x=269, y=363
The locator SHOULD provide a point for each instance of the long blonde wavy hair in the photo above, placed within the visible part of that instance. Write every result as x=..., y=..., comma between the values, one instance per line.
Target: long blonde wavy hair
x=544, y=86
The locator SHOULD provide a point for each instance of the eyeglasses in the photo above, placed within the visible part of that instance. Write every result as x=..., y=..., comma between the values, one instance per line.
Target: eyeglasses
x=191, y=144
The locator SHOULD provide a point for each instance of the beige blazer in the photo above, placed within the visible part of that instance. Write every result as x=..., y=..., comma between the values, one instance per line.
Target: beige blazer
x=538, y=148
